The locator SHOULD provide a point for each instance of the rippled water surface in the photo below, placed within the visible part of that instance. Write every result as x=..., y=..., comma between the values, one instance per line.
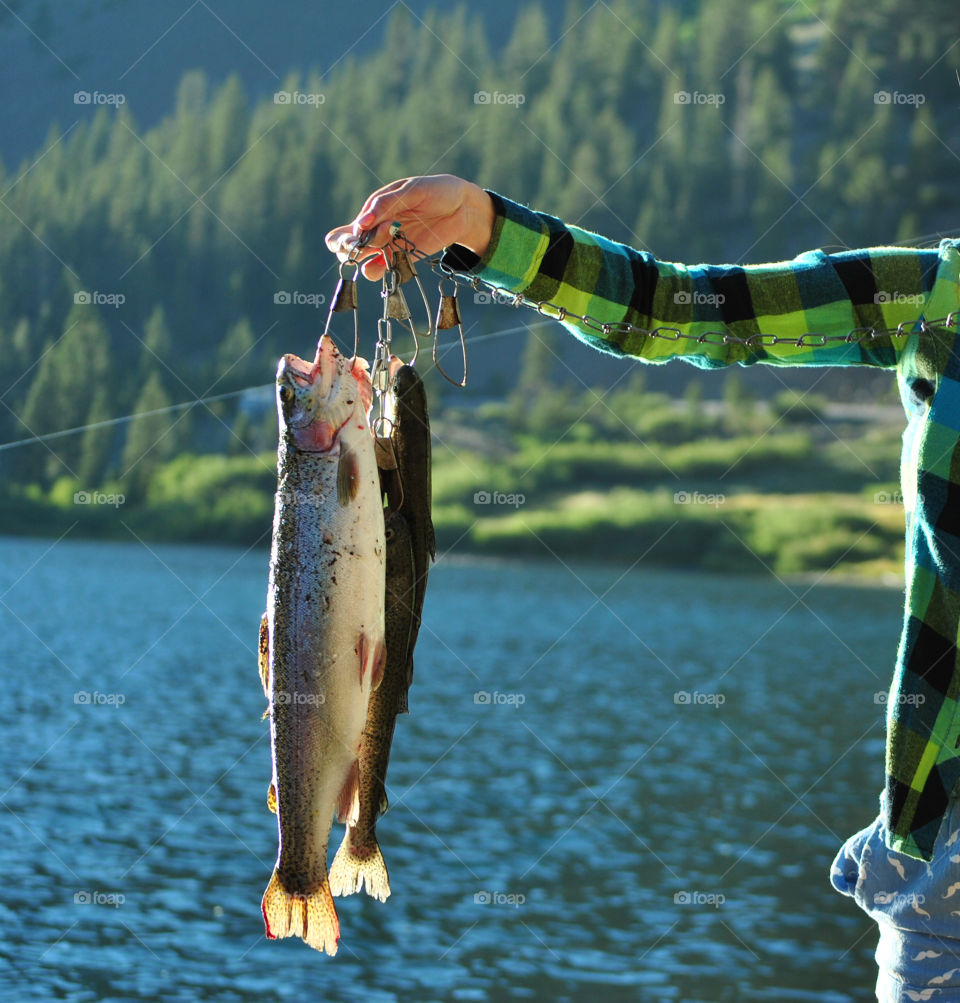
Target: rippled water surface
x=611, y=785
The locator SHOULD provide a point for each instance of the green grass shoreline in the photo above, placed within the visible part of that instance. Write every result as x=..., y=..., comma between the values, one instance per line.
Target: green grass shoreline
x=844, y=535
x=751, y=491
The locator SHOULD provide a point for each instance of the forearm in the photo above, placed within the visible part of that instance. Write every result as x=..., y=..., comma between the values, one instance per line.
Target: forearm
x=588, y=275
x=479, y=218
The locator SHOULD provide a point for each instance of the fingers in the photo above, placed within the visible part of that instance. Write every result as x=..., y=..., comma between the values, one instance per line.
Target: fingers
x=377, y=197
x=370, y=258
x=374, y=267
x=397, y=202
x=424, y=206
x=335, y=236
x=373, y=213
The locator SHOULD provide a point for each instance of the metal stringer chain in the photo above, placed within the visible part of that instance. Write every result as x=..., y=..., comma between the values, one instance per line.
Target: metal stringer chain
x=810, y=339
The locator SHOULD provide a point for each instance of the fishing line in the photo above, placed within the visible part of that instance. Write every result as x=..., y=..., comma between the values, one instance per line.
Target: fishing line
x=109, y=422
x=130, y=417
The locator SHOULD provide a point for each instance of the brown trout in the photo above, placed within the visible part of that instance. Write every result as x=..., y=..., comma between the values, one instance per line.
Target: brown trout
x=359, y=859
x=322, y=637
x=407, y=410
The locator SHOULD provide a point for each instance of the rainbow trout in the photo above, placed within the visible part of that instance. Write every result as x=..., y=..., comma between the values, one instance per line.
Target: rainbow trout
x=410, y=545
x=359, y=860
x=322, y=637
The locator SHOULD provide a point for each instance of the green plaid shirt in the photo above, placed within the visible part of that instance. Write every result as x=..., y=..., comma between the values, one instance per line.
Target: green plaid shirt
x=882, y=287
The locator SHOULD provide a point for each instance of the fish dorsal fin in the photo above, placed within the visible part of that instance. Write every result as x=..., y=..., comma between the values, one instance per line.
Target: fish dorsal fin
x=263, y=655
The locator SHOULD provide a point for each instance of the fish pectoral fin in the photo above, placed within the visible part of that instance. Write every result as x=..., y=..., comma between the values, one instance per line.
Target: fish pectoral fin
x=348, y=802
x=312, y=917
x=379, y=664
x=263, y=655
x=431, y=539
x=272, y=798
x=372, y=658
x=348, y=475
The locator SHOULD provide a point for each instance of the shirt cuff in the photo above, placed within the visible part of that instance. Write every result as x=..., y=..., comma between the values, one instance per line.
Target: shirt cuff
x=518, y=242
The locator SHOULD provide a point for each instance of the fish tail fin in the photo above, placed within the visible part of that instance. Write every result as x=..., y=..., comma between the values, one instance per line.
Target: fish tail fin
x=311, y=917
x=353, y=867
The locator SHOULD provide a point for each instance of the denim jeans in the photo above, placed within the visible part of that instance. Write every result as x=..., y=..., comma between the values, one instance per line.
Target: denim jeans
x=916, y=905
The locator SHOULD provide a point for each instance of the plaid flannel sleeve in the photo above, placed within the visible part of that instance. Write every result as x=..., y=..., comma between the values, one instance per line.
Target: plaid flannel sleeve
x=545, y=260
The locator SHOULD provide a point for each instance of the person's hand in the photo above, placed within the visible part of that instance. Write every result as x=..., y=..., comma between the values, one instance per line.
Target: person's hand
x=434, y=212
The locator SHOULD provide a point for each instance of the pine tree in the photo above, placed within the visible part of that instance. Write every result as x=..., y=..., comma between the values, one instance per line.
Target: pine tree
x=96, y=444
x=156, y=353
x=60, y=391
x=149, y=441
x=237, y=364
x=229, y=120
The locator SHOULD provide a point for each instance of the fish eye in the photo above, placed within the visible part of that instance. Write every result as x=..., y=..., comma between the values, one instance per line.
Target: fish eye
x=389, y=534
x=286, y=394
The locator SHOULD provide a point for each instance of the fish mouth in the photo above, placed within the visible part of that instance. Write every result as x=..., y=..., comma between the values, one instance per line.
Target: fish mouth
x=309, y=399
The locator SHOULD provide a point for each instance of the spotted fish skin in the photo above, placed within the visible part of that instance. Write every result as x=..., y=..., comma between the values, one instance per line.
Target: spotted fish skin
x=322, y=637
x=359, y=861
x=410, y=491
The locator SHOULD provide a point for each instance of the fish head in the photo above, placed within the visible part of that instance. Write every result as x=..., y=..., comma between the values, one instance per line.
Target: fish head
x=403, y=378
x=395, y=528
x=316, y=401
x=404, y=383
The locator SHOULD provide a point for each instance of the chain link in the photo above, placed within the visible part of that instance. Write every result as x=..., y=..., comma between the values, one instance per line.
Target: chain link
x=810, y=339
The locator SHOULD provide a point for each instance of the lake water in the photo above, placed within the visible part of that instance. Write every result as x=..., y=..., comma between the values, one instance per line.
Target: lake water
x=616, y=785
